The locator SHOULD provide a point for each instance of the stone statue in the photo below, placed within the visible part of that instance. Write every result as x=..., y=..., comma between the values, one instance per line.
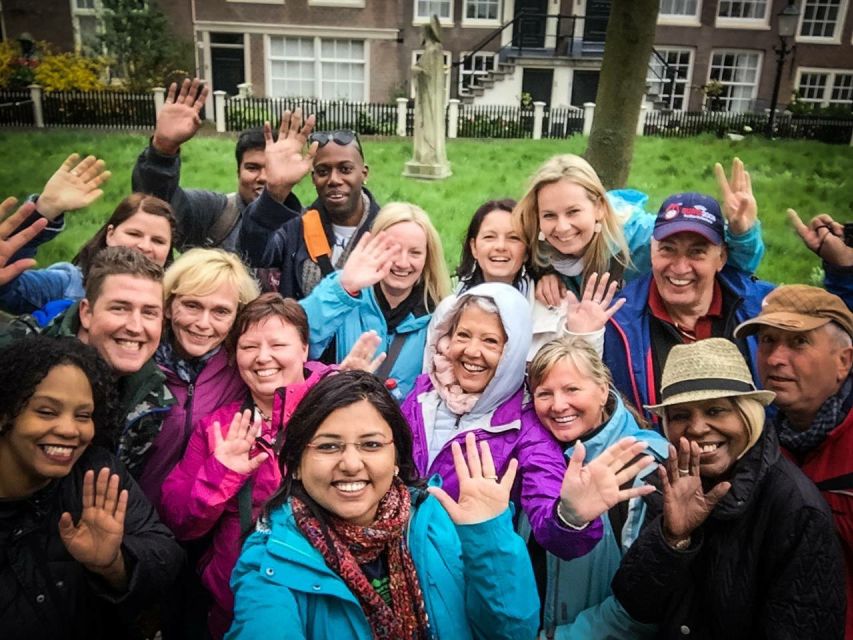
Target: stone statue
x=430, y=156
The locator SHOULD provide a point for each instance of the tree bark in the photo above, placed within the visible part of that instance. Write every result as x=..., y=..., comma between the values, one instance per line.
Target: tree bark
x=621, y=86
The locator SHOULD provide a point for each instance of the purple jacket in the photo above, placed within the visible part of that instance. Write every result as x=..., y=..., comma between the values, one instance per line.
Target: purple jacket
x=200, y=494
x=218, y=384
x=515, y=432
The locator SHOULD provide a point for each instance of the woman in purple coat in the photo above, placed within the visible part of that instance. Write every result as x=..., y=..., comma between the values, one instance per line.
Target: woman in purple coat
x=475, y=383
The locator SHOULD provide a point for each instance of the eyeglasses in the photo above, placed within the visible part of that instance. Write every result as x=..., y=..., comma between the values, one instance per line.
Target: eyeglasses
x=342, y=137
x=336, y=448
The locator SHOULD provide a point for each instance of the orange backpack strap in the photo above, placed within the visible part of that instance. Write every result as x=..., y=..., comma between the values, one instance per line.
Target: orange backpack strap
x=316, y=241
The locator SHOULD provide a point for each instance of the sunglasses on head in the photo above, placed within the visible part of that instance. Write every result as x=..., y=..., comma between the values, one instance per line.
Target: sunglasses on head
x=342, y=137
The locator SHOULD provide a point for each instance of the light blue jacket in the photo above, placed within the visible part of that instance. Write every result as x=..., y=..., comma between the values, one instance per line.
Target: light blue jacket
x=34, y=288
x=579, y=604
x=476, y=581
x=333, y=313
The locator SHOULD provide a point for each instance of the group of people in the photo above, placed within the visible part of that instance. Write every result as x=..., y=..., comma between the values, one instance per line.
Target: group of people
x=234, y=416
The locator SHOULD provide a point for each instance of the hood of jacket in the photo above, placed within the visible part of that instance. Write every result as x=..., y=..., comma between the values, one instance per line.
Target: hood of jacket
x=515, y=318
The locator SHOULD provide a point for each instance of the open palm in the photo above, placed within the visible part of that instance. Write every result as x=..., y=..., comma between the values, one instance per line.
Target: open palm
x=594, y=309
x=233, y=449
x=286, y=164
x=95, y=541
x=179, y=119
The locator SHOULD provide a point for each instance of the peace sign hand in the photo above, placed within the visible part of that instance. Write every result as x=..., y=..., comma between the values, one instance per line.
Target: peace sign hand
x=825, y=237
x=739, y=206
x=481, y=495
x=233, y=450
x=590, y=490
x=95, y=541
x=369, y=262
x=685, y=503
x=594, y=309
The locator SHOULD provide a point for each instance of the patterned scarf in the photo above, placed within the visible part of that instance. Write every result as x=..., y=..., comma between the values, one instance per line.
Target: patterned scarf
x=187, y=369
x=829, y=416
x=345, y=546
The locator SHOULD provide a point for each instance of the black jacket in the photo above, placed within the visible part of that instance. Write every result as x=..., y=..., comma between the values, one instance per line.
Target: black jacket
x=766, y=563
x=46, y=594
x=271, y=236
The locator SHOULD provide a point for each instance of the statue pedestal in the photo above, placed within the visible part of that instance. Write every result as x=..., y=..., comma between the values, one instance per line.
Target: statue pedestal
x=437, y=171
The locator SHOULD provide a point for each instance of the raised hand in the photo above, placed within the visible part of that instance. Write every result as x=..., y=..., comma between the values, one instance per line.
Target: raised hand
x=685, y=503
x=594, y=309
x=590, y=490
x=286, y=164
x=825, y=237
x=481, y=495
x=361, y=356
x=233, y=449
x=95, y=541
x=368, y=262
x=179, y=119
x=11, y=242
x=739, y=206
x=76, y=184
x=550, y=290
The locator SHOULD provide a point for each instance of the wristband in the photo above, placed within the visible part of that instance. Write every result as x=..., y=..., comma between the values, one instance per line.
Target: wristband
x=566, y=522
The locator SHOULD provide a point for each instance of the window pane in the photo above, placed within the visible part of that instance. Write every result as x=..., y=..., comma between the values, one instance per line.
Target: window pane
x=737, y=72
x=426, y=8
x=820, y=18
x=678, y=7
x=660, y=77
x=748, y=9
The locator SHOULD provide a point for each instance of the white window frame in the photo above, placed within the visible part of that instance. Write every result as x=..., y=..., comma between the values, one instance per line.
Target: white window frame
x=682, y=20
x=725, y=22
x=758, y=68
x=839, y=25
x=257, y=1
x=420, y=20
x=826, y=99
x=481, y=22
x=318, y=60
x=448, y=61
x=344, y=4
x=479, y=54
x=688, y=80
x=77, y=13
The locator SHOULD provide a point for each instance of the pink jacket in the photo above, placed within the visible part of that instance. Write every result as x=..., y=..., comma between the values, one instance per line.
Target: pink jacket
x=200, y=495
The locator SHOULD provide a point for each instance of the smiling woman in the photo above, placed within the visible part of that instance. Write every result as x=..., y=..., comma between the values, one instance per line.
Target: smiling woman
x=99, y=541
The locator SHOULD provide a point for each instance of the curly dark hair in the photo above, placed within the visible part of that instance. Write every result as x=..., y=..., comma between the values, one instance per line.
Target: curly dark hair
x=27, y=362
x=335, y=392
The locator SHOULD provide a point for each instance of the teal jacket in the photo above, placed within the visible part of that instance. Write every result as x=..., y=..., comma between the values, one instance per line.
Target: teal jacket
x=333, y=313
x=579, y=604
x=476, y=580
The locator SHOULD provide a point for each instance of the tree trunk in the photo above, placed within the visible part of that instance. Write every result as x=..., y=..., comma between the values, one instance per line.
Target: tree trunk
x=621, y=86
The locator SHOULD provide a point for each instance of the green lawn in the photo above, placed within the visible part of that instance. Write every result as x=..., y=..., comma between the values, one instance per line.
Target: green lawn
x=810, y=177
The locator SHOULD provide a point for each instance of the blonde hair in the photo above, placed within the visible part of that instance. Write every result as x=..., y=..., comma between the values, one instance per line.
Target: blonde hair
x=200, y=272
x=602, y=246
x=435, y=276
x=573, y=348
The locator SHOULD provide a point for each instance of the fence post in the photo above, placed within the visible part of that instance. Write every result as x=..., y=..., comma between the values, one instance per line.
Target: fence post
x=219, y=106
x=244, y=89
x=38, y=112
x=402, y=105
x=453, y=118
x=538, y=116
x=641, y=120
x=159, y=98
x=588, y=114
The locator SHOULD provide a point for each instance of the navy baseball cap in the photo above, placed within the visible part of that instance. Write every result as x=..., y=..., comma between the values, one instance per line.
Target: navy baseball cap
x=694, y=212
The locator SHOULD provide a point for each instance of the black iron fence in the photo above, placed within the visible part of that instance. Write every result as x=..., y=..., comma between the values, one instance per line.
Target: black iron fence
x=562, y=123
x=362, y=117
x=101, y=109
x=676, y=124
x=16, y=108
x=495, y=121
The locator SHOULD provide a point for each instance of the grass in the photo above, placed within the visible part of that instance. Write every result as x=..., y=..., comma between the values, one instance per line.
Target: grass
x=807, y=176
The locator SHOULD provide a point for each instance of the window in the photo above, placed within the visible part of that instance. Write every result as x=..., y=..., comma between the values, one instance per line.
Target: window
x=317, y=68
x=737, y=71
x=679, y=8
x=483, y=10
x=480, y=64
x=678, y=63
x=821, y=19
x=743, y=9
x=425, y=9
x=824, y=87
x=86, y=25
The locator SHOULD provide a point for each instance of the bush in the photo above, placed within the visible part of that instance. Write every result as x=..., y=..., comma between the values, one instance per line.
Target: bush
x=69, y=72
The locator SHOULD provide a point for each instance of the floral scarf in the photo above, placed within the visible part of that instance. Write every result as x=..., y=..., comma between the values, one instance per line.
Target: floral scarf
x=345, y=546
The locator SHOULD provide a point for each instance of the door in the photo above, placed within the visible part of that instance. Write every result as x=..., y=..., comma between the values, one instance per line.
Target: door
x=538, y=83
x=528, y=32
x=226, y=58
x=584, y=87
x=595, y=24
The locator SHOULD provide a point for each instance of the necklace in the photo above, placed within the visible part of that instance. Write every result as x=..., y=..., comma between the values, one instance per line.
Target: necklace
x=264, y=417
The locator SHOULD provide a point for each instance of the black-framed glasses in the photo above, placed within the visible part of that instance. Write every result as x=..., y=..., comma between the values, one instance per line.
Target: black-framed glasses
x=342, y=137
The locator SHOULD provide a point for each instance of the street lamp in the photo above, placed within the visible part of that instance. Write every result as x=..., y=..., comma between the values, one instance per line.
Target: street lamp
x=787, y=21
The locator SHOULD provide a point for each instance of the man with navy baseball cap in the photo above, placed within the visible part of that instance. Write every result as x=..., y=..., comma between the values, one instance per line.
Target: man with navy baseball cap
x=691, y=294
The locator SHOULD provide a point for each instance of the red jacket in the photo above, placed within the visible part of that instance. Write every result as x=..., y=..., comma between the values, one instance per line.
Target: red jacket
x=832, y=459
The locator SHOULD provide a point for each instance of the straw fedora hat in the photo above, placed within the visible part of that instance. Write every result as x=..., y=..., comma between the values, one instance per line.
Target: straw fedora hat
x=707, y=369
